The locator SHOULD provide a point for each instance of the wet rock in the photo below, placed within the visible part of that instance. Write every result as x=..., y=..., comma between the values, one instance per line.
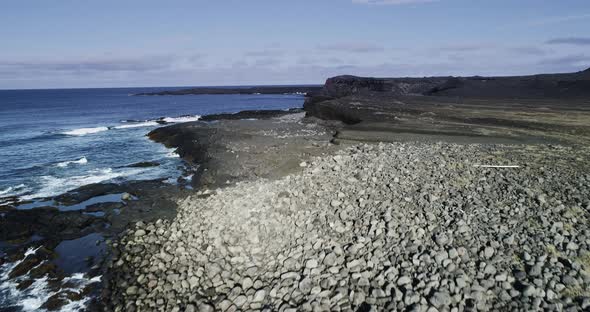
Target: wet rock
x=144, y=164
x=43, y=269
x=25, y=266
x=55, y=302
x=24, y=284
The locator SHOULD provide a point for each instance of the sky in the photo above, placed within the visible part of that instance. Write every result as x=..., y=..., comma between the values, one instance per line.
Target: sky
x=114, y=43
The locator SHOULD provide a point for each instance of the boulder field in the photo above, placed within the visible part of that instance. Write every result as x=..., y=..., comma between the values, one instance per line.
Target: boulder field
x=402, y=226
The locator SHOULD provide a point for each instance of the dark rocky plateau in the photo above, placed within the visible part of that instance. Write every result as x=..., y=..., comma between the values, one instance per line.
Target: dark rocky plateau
x=245, y=90
x=251, y=114
x=539, y=108
x=569, y=85
x=246, y=145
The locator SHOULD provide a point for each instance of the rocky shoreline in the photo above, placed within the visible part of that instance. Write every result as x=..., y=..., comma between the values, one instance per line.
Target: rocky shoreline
x=293, y=211
x=90, y=217
x=44, y=246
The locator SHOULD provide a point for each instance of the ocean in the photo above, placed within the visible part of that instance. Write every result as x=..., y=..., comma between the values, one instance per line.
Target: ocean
x=54, y=141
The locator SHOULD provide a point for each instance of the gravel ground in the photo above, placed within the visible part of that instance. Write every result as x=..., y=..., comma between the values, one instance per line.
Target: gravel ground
x=418, y=227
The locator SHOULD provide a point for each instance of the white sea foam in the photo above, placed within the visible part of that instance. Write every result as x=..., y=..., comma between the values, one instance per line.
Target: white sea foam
x=137, y=125
x=33, y=297
x=7, y=195
x=13, y=190
x=85, y=131
x=172, y=155
x=127, y=125
x=52, y=186
x=171, y=181
x=181, y=119
x=81, y=161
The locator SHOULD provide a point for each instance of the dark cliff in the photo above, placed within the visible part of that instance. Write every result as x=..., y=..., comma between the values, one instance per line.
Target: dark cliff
x=544, y=85
x=345, y=98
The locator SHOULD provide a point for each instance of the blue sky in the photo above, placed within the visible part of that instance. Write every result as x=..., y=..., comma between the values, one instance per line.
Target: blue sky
x=73, y=43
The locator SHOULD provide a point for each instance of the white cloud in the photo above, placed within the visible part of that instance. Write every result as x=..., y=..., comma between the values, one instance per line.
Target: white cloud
x=352, y=47
x=570, y=40
x=267, y=53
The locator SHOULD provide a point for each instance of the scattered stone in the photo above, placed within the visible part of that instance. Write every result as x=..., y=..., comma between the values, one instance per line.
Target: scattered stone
x=440, y=299
x=529, y=291
x=404, y=280
x=335, y=203
x=404, y=226
x=259, y=296
x=132, y=290
x=489, y=252
x=311, y=264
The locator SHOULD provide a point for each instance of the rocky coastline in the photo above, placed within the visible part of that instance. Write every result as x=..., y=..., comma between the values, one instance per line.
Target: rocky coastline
x=396, y=201
x=377, y=195
x=90, y=217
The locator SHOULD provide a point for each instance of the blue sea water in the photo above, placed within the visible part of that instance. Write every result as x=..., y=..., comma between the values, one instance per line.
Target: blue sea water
x=53, y=141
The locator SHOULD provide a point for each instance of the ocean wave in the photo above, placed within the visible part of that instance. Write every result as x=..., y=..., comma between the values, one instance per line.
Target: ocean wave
x=81, y=161
x=127, y=124
x=52, y=186
x=14, y=190
x=138, y=125
x=179, y=119
x=85, y=131
x=172, y=154
x=33, y=297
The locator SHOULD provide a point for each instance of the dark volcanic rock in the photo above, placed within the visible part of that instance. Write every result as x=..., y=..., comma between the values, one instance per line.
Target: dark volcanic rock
x=501, y=107
x=251, y=114
x=341, y=86
x=86, y=192
x=325, y=109
x=24, y=284
x=47, y=222
x=571, y=85
x=185, y=141
x=265, y=147
x=43, y=269
x=55, y=302
x=192, y=139
x=25, y=266
x=144, y=164
x=103, y=206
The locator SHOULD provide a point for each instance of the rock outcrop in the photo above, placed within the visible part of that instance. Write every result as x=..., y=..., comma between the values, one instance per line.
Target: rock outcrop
x=468, y=105
x=571, y=85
